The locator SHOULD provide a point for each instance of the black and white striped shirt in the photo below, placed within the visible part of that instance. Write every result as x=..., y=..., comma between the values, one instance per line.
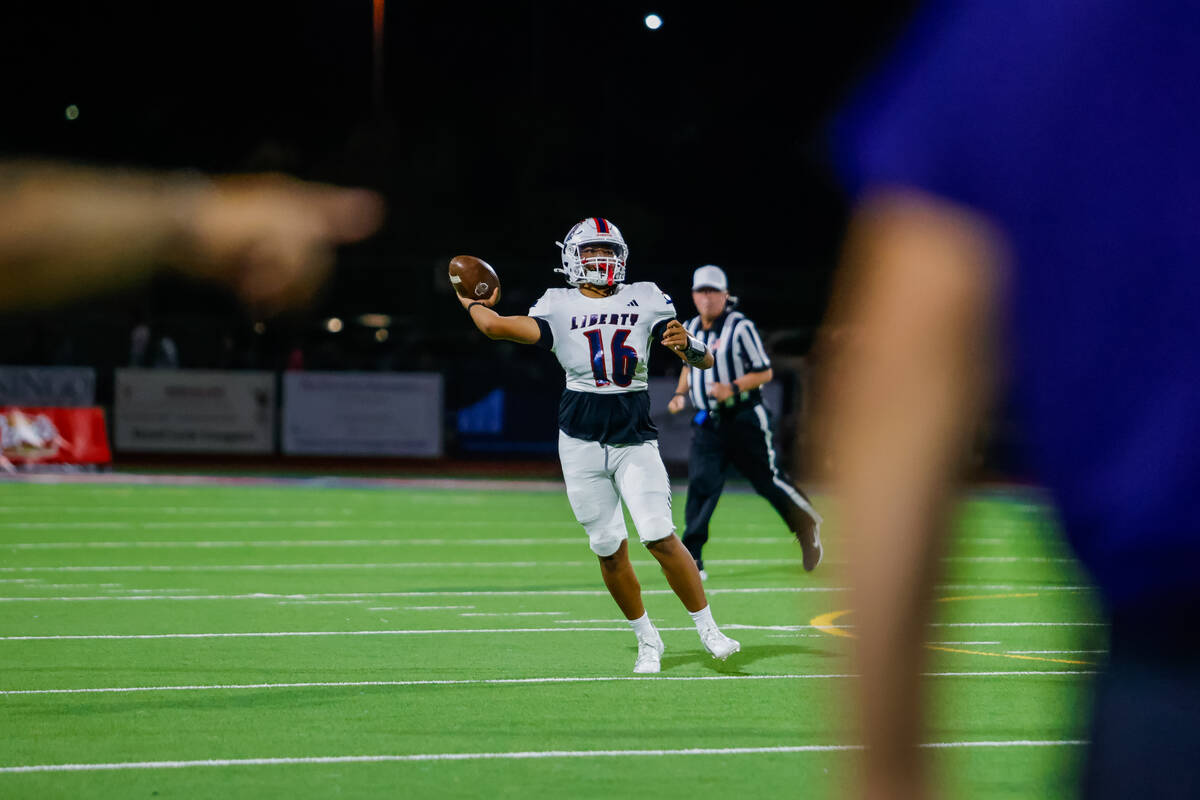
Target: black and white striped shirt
x=736, y=348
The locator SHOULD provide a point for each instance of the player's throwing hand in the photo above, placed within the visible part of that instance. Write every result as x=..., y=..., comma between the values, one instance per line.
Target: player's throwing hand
x=675, y=338
x=488, y=301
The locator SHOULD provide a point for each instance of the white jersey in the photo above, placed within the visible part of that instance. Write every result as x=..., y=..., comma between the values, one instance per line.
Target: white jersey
x=603, y=343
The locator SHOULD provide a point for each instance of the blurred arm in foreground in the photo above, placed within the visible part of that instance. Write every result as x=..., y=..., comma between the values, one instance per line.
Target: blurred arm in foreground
x=66, y=232
x=917, y=289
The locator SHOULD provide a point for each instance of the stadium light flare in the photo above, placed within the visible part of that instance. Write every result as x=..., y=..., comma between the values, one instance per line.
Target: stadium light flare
x=333, y=325
x=381, y=335
x=72, y=112
x=653, y=21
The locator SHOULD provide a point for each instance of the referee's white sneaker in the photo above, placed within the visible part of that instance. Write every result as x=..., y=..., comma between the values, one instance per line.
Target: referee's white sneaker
x=717, y=643
x=649, y=657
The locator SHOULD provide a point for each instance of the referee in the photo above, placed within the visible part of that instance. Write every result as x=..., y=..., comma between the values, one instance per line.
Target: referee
x=732, y=426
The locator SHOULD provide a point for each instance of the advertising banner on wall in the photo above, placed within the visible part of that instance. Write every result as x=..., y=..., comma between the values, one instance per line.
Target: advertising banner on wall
x=362, y=414
x=33, y=435
x=66, y=387
x=194, y=411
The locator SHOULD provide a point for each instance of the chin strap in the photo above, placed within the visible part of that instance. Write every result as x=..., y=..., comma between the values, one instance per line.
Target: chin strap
x=695, y=351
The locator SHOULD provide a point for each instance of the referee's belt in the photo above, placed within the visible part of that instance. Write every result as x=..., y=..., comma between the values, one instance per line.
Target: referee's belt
x=730, y=408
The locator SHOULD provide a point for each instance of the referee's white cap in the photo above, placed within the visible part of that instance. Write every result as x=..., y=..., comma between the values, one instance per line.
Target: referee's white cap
x=710, y=277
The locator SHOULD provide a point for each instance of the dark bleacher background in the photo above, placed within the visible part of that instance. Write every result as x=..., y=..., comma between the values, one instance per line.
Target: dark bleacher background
x=492, y=129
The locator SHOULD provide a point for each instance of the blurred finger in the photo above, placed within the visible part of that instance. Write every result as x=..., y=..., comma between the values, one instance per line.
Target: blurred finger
x=281, y=273
x=350, y=214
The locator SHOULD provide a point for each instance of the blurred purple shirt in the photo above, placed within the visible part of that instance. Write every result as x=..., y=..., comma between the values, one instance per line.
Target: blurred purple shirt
x=1075, y=127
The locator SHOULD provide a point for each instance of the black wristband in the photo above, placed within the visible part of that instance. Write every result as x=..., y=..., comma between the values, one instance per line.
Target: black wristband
x=681, y=394
x=476, y=303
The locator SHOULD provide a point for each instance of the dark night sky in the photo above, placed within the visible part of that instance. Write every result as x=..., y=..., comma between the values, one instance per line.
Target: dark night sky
x=503, y=122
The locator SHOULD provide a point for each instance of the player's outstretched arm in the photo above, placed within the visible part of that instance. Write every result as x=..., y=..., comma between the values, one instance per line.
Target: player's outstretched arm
x=689, y=350
x=71, y=231
x=520, y=329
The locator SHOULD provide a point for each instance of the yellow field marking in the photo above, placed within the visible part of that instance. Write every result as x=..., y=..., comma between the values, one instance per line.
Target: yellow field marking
x=825, y=623
x=1005, y=655
x=984, y=597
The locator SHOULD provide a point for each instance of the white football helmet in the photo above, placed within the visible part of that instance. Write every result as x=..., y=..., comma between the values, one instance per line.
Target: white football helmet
x=598, y=270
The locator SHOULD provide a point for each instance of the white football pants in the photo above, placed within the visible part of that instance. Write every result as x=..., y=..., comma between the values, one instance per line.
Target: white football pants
x=599, y=477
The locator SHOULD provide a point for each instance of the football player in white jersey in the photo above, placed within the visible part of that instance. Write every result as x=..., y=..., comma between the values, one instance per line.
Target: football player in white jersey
x=601, y=329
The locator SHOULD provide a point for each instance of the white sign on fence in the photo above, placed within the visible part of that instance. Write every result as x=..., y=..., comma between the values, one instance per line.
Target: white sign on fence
x=362, y=414
x=194, y=411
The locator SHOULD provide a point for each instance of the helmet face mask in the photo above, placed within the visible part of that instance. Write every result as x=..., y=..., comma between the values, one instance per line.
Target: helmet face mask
x=594, y=268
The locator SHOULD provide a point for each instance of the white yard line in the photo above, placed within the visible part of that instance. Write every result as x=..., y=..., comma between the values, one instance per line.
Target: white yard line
x=231, y=544
x=320, y=602
x=795, y=636
x=278, y=523
x=434, y=608
x=465, y=631
x=513, y=682
x=740, y=562
x=292, y=567
x=125, y=483
x=435, y=541
x=307, y=634
x=164, y=594
x=370, y=565
x=519, y=755
x=515, y=614
x=43, y=510
x=41, y=586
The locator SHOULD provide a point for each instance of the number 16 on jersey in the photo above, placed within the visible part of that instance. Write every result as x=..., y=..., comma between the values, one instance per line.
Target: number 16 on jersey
x=624, y=357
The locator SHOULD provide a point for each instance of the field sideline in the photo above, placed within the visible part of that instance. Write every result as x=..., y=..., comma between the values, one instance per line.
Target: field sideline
x=397, y=638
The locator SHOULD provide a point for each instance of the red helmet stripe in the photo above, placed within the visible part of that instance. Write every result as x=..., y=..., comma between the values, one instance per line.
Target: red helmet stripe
x=601, y=224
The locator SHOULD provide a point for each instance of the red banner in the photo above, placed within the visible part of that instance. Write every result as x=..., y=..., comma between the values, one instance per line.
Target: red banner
x=53, y=436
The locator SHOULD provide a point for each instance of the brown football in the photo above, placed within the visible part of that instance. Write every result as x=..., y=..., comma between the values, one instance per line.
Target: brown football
x=473, y=277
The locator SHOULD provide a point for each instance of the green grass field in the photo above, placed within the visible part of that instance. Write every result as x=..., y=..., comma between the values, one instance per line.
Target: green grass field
x=303, y=640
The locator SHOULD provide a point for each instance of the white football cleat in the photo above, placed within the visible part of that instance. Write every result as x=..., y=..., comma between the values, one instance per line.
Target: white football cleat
x=717, y=643
x=649, y=658
x=703, y=575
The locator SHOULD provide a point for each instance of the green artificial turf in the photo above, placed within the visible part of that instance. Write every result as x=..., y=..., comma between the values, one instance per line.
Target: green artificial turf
x=458, y=613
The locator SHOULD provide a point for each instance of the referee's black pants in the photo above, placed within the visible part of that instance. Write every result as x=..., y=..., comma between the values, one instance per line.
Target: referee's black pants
x=742, y=437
